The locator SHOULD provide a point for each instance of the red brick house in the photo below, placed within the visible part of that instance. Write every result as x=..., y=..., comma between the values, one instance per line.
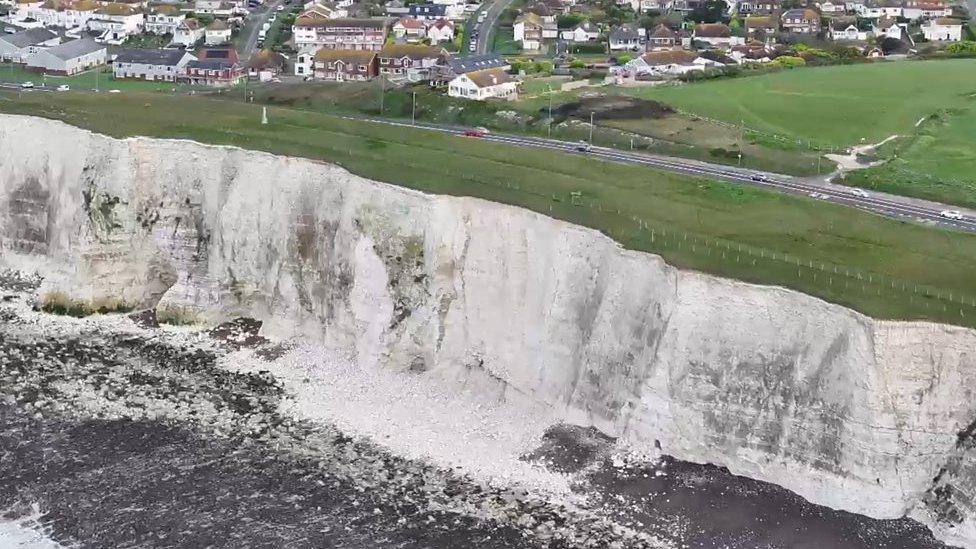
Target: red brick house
x=345, y=65
x=218, y=67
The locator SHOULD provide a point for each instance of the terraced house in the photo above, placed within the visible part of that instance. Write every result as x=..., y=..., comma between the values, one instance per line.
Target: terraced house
x=413, y=62
x=17, y=47
x=340, y=34
x=345, y=65
x=152, y=65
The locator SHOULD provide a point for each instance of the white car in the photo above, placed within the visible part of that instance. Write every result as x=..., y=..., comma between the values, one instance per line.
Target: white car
x=819, y=196
x=281, y=8
x=27, y=85
x=63, y=88
x=860, y=192
x=951, y=214
x=114, y=91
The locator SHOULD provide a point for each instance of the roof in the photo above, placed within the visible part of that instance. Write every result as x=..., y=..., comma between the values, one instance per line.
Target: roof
x=540, y=9
x=462, y=65
x=165, y=9
x=663, y=31
x=886, y=22
x=75, y=48
x=530, y=19
x=413, y=51
x=947, y=22
x=713, y=30
x=150, y=57
x=29, y=37
x=266, y=58
x=62, y=5
x=760, y=22
x=347, y=56
x=804, y=14
x=669, y=57
x=344, y=22
x=210, y=64
x=217, y=25
x=411, y=23
x=489, y=77
x=624, y=32
x=115, y=8
x=441, y=23
x=189, y=24
x=428, y=9
x=225, y=54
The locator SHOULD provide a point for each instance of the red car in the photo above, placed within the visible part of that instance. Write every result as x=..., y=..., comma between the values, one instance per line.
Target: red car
x=476, y=132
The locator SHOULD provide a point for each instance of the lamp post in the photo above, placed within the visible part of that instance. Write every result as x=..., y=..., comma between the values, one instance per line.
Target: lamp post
x=413, y=111
x=591, y=127
x=549, y=129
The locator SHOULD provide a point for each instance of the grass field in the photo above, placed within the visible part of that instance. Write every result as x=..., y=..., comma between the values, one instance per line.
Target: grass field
x=85, y=81
x=838, y=105
x=843, y=255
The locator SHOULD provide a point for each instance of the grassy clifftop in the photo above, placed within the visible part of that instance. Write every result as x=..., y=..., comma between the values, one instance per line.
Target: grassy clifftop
x=885, y=268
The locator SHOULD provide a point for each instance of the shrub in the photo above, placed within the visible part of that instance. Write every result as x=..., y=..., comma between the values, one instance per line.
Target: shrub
x=585, y=47
x=176, y=316
x=788, y=62
x=577, y=64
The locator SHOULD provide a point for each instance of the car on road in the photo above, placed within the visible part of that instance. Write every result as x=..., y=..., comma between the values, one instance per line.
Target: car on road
x=281, y=8
x=27, y=85
x=64, y=88
x=583, y=146
x=819, y=196
x=951, y=214
x=759, y=177
x=476, y=132
x=860, y=192
x=114, y=91
x=472, y=47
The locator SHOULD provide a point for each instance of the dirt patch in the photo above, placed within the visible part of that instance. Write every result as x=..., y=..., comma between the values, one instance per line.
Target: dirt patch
x=611, y=107
x=239, y=333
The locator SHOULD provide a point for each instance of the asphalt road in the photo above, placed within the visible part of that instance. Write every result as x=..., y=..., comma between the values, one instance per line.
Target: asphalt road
x=494, y=9
x=893, y=206
x=255, y=21
x=897, y=207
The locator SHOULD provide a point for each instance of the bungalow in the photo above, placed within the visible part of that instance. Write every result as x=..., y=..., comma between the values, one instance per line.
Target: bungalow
x=188, y=33
x=716, y=34
x=761, y=25
x=483, y=84
x=627, y=37
x=441, y=30
x=164, y=19
x=428, y=12
x=409, y=61
x=218, y=67
x=410, y=28
x=585, y=31
x=345, y=65
x=662, y=37
x=888, y=27
x=152, y=65
x=265, y=65
x=457, y=66
x=751, y=52
x=943, y=29
x=217, y=33
x=846, y=29
x=18, y=46
x=668, y=63
x=801, y=21
x=68, y=58
x=64, y=13
x=758, y=7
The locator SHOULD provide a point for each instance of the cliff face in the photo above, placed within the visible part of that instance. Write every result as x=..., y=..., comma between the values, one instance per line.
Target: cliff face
x=857, y=414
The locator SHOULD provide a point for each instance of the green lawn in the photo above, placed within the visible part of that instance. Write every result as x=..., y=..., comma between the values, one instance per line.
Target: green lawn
x=838, y=106
x=87, y=80
x=871, y=263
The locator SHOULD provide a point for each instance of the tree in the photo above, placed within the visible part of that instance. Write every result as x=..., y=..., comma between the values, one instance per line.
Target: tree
x=623, y=59
x=711, y=11
x=569, y=20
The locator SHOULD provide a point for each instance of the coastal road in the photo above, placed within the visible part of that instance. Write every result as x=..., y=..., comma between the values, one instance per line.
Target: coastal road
x=893, y=206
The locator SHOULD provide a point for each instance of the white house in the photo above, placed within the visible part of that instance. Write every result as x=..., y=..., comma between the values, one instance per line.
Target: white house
x=926, y=9
x=410, y=29
x=18, y=46
x=217, y=33
x=583, y=32
x=887, y=27
x=441, y=30
x=943, y=29
x=849, y=33
x=832, y=8
x=68, y=58
x=716, y=34
x=188, y=33
x=152, y=65
x=484, y=84
x=669, y=63
x=627, y=38
x=65, y=13
x=164, y=20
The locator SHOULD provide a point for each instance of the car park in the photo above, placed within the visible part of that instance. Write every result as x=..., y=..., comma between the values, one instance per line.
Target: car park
x=951, y=214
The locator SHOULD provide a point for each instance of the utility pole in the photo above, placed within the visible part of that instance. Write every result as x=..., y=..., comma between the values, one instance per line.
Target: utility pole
x=413, y=111
x=591, y=127
x=245, y=89
x=382, y=94
x=549, y=131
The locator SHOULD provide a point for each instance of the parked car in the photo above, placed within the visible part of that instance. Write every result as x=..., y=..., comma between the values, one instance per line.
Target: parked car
x=759, y=177
x=951, y=214
x=64, y=88
x=27, y=85
x=583, y=146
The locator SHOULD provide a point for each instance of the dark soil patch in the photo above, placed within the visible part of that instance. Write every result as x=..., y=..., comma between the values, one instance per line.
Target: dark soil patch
x=611, y=107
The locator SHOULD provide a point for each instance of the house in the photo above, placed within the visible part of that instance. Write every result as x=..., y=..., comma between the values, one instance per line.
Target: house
x=409, y=61
x=753, y=51
x=483, y=84
x=668, y=63
x=873, y=9
x=64, y=13
x=217, y=33
x=888, y=27
x=662, y=37
x=217, y=8
x=68, y=58
x=528, y=30
x=846, y=29
x=163, y=19
x=457, y=66
x=340, y=34
x=324, y=10
x=716, y=34
x=801, y=21
x=441, y=30
x=410, y=29
x=943, y=29
x=582, y=32
x=926, y=9
x=152, y=65
x=18, y=46
x=345, y=65
x=832, y=8
x=114, y=22
x=627, y=37
x=217, y=67
x=758, y=7
x=761, y=25
x=188, y=33
x=428, y=12
x=265, y=65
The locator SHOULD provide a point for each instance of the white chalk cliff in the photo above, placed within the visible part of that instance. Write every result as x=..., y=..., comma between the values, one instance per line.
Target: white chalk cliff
x=868, y=416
